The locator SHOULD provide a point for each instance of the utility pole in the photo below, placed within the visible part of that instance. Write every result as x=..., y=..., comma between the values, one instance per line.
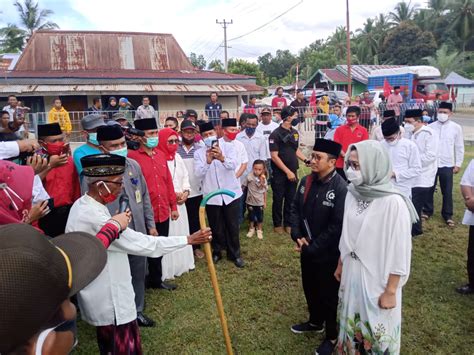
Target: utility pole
x=348, y=35
x=224, y=25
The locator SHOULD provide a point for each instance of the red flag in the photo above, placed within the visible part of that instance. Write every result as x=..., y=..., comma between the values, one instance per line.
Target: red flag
x=312, y=100
x=387, y=89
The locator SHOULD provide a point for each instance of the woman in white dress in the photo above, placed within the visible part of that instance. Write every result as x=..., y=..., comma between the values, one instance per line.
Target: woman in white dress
x=180, y=261
x=375, y=251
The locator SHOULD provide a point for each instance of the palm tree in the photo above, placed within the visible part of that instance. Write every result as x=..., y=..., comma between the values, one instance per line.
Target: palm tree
x=216, y=65
x=403, y=12
x=368, y=44
x=444, y=61
x=338, y=41
x=12, y=40
x=32, y=18
x=462, y=20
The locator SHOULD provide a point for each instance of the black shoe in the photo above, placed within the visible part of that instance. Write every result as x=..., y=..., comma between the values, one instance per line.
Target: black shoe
x=307, y=327
x=239, y=263
x=326, y=348
x=167, y=286
x=216, y=258
x=465, y=290
x=144, y=321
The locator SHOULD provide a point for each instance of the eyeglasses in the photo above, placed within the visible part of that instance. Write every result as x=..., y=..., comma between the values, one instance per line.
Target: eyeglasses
x=173, y=141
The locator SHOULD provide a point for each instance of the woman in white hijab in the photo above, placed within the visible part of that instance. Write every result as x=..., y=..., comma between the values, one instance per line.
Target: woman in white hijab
x=375, y=251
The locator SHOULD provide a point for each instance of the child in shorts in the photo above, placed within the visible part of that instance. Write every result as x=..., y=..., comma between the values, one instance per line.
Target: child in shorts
x=257, y=186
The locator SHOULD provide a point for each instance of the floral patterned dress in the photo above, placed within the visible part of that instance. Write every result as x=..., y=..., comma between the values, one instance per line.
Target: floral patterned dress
x=379, y=244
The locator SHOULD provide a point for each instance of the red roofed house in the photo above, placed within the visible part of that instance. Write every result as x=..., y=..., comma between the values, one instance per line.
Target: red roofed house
x=78, y=66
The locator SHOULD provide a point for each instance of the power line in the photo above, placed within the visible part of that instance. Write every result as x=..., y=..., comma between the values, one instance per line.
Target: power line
x=224, y=24
x=267, y=23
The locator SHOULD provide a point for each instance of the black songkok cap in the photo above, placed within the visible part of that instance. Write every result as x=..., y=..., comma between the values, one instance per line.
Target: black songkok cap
x=390, y=127
x=327, y=146
x=98, y=165
x=355, y=109
x=388, y=113
x=446, y=104
x=109, y=133
x=229, y=122
x=51, y=129
x=145, y=124
x=415, y=113
x=207, y=126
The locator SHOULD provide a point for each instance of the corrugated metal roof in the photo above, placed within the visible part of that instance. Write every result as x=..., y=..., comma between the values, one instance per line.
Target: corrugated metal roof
x=85, y=89
x=360, y=73
x=455, y=79
x=335, y=76
x=54, y=50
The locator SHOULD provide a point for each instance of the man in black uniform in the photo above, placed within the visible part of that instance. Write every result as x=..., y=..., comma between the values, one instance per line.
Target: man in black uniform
x=316, y=221
x=284, y=153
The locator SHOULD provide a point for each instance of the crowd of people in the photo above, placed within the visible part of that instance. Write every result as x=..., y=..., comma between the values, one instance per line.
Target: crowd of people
x=100, y=223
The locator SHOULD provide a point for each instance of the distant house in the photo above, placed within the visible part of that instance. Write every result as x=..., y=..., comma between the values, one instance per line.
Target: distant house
x=80, y=65
x=337, y=78
x=460, y=87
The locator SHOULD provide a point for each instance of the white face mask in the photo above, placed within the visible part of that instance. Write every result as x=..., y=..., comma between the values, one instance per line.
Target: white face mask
x=354, y=176
x=443, y=117
x=409, y=128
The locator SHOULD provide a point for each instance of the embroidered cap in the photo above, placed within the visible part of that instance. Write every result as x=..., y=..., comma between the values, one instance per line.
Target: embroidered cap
x=103, y=165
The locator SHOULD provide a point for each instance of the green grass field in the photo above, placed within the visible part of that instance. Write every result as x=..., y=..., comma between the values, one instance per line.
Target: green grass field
x=263, y=300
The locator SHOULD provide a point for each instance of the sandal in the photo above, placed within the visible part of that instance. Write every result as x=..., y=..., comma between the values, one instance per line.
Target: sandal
x=450, y=223
x=425, y=217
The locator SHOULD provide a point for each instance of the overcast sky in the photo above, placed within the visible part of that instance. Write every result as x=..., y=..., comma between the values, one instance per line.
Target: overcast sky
x=193, y=22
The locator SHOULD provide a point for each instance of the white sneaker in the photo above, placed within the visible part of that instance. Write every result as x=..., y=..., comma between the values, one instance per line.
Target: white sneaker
x=251, y=233
x=259, y=234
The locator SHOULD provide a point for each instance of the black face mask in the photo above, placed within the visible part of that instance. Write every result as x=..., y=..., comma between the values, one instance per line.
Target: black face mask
x=188, y=141
x=295, y=122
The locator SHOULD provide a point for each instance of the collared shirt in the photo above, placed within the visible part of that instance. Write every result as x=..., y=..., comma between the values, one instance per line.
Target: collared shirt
x=188, y=159
x=81, y=152
x=62, y=184
x=39, y=193
x=451, y=143
x=159, y=182
x=468, y=180
x=265, y=130
x=256, y=147
x=427, y=143
x=242, y=157
x=110, y=299
x=345, y=136
x=218, y=175
x=406, y=164
x=9, y=150
x=256, y=189
x=145, y=112
x=10, y=110
x=213, y=111
x=393, y=103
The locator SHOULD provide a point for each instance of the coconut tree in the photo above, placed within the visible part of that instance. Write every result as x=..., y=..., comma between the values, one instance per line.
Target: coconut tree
x=403, y=11
x=12, y=39
x=462, y=20
x=338, y=41
x=446, y=62
x=367, y=42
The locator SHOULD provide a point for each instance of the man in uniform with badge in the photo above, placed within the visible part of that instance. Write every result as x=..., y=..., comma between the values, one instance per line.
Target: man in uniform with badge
x=112, y=141
x=284, y=151
x=316, y=225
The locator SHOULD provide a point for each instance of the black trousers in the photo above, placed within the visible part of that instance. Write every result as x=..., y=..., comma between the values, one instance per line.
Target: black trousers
x=138, y=272
x=54, y=223
x=192, y=208
x=321, y=291
x=283, y=193
x=419, y=196
x=470, y=257
x=445, y=176
x=224, y=223
x=154, y=264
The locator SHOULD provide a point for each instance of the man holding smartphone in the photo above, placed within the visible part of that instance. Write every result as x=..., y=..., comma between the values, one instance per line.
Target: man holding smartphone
x=60, y=178
x=215, y=164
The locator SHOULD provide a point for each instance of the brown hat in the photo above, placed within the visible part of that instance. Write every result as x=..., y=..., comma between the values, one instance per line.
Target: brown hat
x=37, y=274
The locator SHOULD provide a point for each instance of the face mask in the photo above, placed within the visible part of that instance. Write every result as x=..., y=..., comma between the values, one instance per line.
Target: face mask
x=231, y=135
x=409, y=128
x=250, y=131
x=426, y=119
x=110, y=197
x=54, y=148
x=93, y=138
x=152, y=142
x=173, y=148
x=122, y=152
x=351, y=121
x=295, y=122
x=443, y=117
x=354, y=176
x=209, y=140
x=275, y=119
x=187, y=141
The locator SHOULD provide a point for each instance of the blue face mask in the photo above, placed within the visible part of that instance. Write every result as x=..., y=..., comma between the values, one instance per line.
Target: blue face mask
x=122, y=152
x=426, y=119
x=275, y=119
x=209, y=140
x=295, y=122
x=250, y=130
x=152, y=142
x=93, y=138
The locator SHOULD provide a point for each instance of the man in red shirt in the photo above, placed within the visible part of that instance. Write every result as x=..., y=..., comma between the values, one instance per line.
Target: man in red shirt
x=251, y=106
x=60, y=179
x=279, y=101
x=348, y=134
x=160, y=187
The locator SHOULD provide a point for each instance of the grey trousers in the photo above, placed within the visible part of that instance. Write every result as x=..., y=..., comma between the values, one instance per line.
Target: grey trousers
x=138, y=271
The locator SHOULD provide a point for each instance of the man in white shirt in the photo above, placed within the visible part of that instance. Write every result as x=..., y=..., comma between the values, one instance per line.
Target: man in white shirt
x=377, y=131
x=145, y=110
x=450, y=158
x=404, y=155
x=14, y=148
x=427, y=143
x=12, y=106
x=108, y=302
x=215, y=164
x=265, y=128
